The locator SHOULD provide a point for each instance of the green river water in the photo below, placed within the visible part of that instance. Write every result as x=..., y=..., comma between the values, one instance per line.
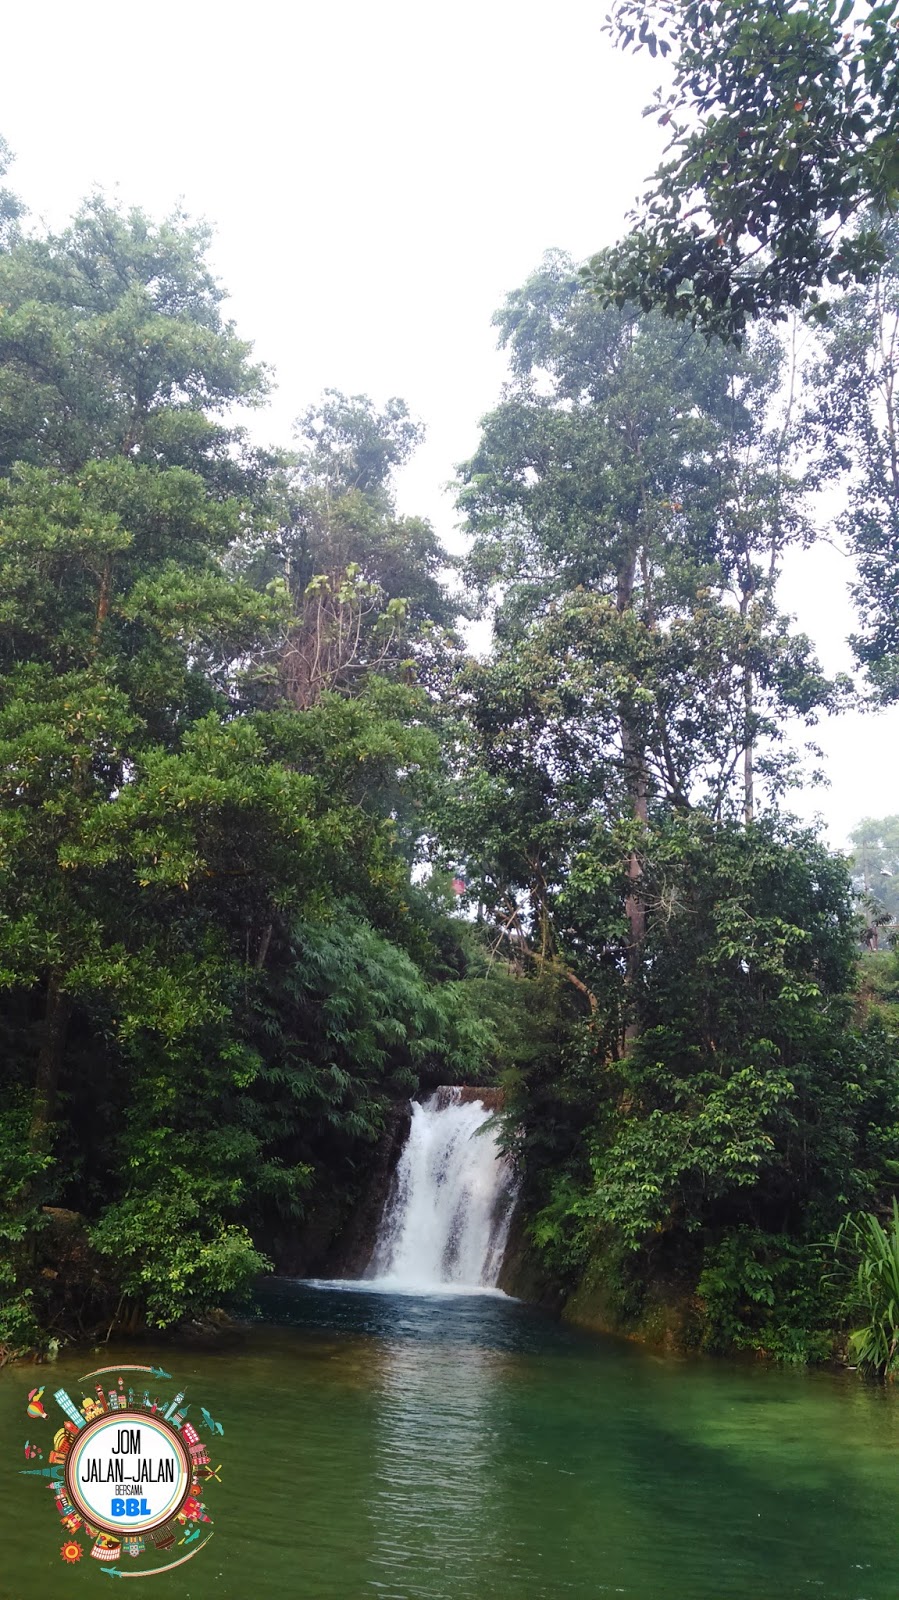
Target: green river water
x=398, y=1448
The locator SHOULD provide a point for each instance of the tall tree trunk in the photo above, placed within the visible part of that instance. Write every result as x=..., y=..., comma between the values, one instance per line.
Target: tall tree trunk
x=636, y=783
x=748, y=750
x=57, y=1010
x=634, y=908
x=264, y=943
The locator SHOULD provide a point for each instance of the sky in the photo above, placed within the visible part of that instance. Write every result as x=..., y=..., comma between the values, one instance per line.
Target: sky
x=379, y=176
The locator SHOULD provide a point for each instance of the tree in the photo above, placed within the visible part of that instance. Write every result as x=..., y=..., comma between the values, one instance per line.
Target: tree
x=11, y=208
x=705, y=1164
x=875, y=862
x=853, y=423
x=366, y=585
x=119, y=623
x=112, y=343
x=736, y=1088
x=781, y=162
x=631, y=506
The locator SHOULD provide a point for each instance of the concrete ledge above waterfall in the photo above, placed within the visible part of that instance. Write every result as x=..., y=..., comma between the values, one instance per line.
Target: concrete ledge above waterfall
x=448, y=1094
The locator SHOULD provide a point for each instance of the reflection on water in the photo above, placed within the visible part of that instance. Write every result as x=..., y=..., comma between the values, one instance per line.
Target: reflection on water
x=435, y=1406
x=454, y=1448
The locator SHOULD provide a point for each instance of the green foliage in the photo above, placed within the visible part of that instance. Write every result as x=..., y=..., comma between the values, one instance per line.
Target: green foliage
x=852, y=426
x=705, y=1090
x=20, y=1330
x=166, y=1257
x=875, y=860
x=761, y=1291
x=874, y=1294
x=215, y=969
x=879, y=990
x=20, y=1168
x=624, y=493
x=745, y=1093
x=875, y=879
x=11, y=208
x=747, y=1113
x=112, y=344
x=241, y=759
x=365, y=586
x=781, y=122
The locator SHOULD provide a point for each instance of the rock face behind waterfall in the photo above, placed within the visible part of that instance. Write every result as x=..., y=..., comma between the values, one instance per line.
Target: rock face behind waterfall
x=334, y=1243
x=447, y=1217
x=353, y=1249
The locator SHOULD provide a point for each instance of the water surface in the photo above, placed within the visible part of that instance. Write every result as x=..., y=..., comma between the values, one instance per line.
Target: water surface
x=392, y=1447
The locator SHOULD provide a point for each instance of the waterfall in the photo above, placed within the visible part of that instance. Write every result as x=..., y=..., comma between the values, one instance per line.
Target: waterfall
x=446, y=1221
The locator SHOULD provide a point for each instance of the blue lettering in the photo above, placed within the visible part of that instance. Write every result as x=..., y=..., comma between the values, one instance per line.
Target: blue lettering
x=130, y=1508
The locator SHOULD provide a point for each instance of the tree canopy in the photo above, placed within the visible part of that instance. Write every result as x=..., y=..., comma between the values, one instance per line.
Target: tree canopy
x=781, y=162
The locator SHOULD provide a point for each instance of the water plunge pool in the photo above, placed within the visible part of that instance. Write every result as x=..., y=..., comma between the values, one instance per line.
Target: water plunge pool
x=452, y=1447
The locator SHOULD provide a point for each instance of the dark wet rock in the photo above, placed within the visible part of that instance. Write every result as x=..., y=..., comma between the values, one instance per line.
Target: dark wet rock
x=337, y=1238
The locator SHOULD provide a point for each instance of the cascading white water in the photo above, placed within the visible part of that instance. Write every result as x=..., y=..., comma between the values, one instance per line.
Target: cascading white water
x=446, y=1221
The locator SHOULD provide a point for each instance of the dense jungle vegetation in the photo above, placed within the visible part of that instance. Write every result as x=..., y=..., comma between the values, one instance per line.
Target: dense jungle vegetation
x=276, y=850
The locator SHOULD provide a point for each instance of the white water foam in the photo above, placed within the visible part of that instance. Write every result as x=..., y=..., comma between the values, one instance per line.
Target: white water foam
x=446, y=1222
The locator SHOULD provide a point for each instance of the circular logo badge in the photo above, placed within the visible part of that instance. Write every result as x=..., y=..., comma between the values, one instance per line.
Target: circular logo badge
x=128, y=1472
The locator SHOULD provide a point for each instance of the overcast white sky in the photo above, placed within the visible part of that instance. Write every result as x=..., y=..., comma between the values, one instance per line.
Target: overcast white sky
x=379, y=175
